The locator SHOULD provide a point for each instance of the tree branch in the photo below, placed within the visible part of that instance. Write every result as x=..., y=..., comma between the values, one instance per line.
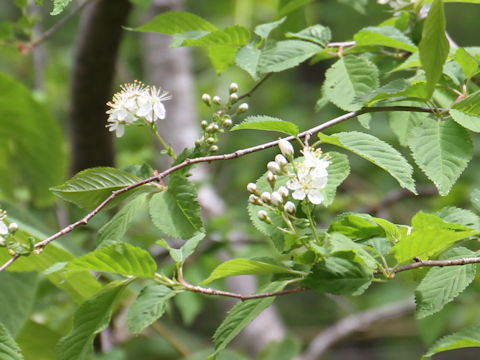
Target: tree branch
x=41, y=245
x=441, y=263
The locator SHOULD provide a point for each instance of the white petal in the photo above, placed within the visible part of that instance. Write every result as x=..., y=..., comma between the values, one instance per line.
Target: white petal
x=316, y=197
x=3, y=228
x=120, y=130
x=159, y=110
x=298, y=195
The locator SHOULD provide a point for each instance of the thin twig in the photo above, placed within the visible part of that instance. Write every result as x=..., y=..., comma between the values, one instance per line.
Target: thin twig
x=422, y=263
x=41, y=245
x=342, y=44
x=255, y=87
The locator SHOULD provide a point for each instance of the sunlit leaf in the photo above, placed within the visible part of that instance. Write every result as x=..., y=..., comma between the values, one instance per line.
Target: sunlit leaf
x=263, y=122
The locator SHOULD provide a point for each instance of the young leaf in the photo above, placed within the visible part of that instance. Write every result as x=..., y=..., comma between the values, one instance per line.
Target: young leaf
x=232, y=36
x=376, y=151
x=92, y=317
x=429, y=237
x=317, y=34
x=90, y=187
x=9, y=349
x=263, y=122
x=339, y=245
x=116, y=228
x=187, y=249
x=468, y=63
x=283, y=55
x=338, y=171
x=468, y=337
x=244, y=267
x=434, y=46
x=442, y=150
x=176, y=212
x=222, y=57
x=118, y=258
x=443, y=284
x=349, y=78
x=243, y=314
x=385, y=36
x=264, y=30
x=466, y=112
x=149, y=306
x=247, y=59
x=340, y=276
x=356, y=226
x=176, y=22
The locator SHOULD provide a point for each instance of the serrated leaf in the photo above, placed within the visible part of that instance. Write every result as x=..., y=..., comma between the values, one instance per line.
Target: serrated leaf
x=338, y=171
x=59, y=6
x=356, y=226
x=187, y=249
x=9, y=349
x=247, y=59
x=351, y=77
x=395, y=90
x=244, y=267
x=116, y=228
x=269, y=123
x=317, y=34
x=17, y=295
x=92, y=317
x=468, y=337
x=475, y=199
x=434, y=46
x=468, y=63
x=460, y=216
x=232, y=36
x=90, y=187
x=118, y=258
x=32, y=149
x=176, y=211
x=466, y=112
x=148, y=307
x=376, y=151
x=264, y=30
x=176, y=22
x=442, y=150
x=243, y=313
x=402, y=122
x=385, y=36
x=283, y=55
x=340, y=276
x=443, y=284
x=429, y=237
x=222, y=57
x=339, y=245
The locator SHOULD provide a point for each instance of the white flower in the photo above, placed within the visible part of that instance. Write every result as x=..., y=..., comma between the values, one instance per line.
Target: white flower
x=150, y=104
x=3, y=229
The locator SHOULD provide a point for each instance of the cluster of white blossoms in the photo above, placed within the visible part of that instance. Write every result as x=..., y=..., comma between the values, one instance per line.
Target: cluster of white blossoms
x=4, y=229
x=134, y=102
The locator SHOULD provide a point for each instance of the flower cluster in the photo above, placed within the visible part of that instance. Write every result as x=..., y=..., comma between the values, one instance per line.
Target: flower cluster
x=4, y=229
x=136, y=101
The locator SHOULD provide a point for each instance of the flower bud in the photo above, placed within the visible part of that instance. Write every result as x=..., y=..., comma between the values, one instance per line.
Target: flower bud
x=210, y=140
x=282, y=190
x=207, y=99
x=212, y=127
x=203, y=124
x=254, y=199
x=273, y=167
x=233, y=88
x=217, y=100
x=13, y=227
x=213, y=148
x=233, y=98
x=290, y=208
x=252, y=188
x=271, y=178
x=276, y=198
x=286, y=148
x=265, y=197
x=281, y=160
x=263, y=215
x=242, y=108
x=227, y=123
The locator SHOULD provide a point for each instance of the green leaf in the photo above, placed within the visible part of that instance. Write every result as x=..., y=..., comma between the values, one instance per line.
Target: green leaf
x=317, y=34
x=385, y=36
x=9, y=349
x=466, y=112
x=37, y=341
x=339, y=245
x=351, y=77
x=434, y=46
x=468, y=63
x=263, y=122
x=91, y=318
x=90, y=187
x=283, y=55
x=176, y=212
x=116, y=228
x=187, y=249
x=443, y=284
x=247, y=59
x=338, y=171
x=475, y=199
x=118, y=258
x=429, y=237
x=468, y=337
x=59, y=6
x=442, y=149
x=356, y=226
x=244, y=267
x=402, y=122
x=32, y=148
x=395, y=90
x=376, y=151
x=264, y=30
x=460, y=216
x=17, y=295
x=286, y=349
x=290, y=6
x=243, y=314
x=340, y=276
x=176, y=22
x=149, y=306
x=232, y=36
x=222, y=57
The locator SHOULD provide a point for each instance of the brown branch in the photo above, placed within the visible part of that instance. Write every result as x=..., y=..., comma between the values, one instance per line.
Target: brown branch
x=40, y=245
x=441, y=263
x=255, y=87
